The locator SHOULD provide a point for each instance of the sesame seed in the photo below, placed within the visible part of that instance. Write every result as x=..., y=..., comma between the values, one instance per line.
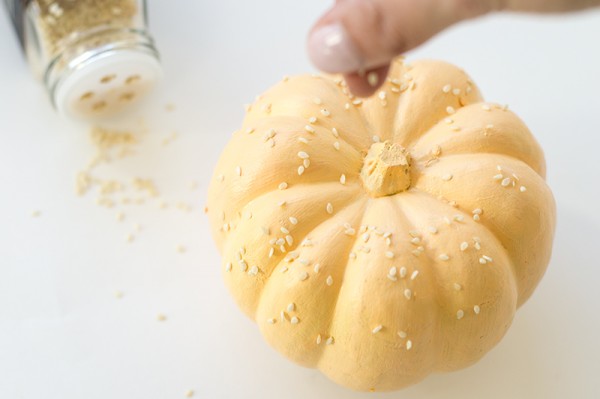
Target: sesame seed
x=303, y=155
x=221, y=178
x=393, y=271
x=271, y=252
x=506, y=182
x=476, y=309
x=377, y=329
x=272, y=321
x=482, y=261
x=336, y=145
x=402, y=334
x=455, y=128
x=335, y=132
x=476, y=217
x=293, y=220
x=294, y=320
x=329, y=281
x=302, y=140
x=291, y=307
x=446, y=89
x=459, y=218
x=376, y=139
x=343, y=179
x=347, y=106
x=447, y=177
x=499, y=168
x=243, y=265
x=352, y=255
x=489, y=259
x=414, y=275
x=289, y=239
x=279, y=241
x=403, y=272
x=300, y=170
x=486, y=107
x=329, y=208
x=415, y=240
x=357, y=102
x=389, y=254
x=228, y=266
x=283, y=186
x=284, y=269
x=306, y=163
x=303, y=261
x=408, y=345
x=449, y=121
x=366, y=237
x=523, y=189
x=456, y=92
x=457, y=287
x=282, y=315
x=433, y=229
x=303, y=276
x=161, y=317
x=477, y=246
x=460, y=314
x=464, y=245
x=450, y=110
x=317, y=267
x=319, y=339
x=329, y=341
x=444, y=257
x=387, y=235
x=312, y=120
x=498, y=177
x=325, y=112
x=350, y=231
x=317, y=101
x=284, y=230
x=253, y=271
x=310, y=129
x=238, y=170
x=407, y=293
x=372, y=78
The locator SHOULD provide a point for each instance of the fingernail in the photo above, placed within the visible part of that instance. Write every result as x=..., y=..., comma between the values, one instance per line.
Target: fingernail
x=331, y=49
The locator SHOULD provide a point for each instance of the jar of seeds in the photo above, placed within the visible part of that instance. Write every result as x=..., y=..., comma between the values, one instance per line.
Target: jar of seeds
x=95, y=57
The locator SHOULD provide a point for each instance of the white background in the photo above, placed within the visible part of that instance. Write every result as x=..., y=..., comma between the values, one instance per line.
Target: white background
x=64, y=335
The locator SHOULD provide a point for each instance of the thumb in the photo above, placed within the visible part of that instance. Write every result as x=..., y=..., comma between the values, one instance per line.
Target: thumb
x=360, y=35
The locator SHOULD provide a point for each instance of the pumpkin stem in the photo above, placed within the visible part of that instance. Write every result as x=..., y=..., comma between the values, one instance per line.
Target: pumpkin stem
x=386, y=169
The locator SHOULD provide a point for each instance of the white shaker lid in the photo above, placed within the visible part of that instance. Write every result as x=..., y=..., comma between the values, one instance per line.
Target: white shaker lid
x=108, y=84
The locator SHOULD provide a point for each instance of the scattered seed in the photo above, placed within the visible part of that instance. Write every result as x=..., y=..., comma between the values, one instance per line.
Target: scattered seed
x=329, y=341
x=444, y=257
x=283, y=186
x=460, y=314
x=377, y=329
x=303, y=276
x=294, y=320
x=329, y=281
x=389, y=254
x=402, y=334
x=329, y=208
x=523, y=189
x=319, y=339
x=464, y=245
x=446, y=89
x=476, y=309
x=403, y=272
x=343, y=179
x=414, y=275
x=407, y=293
x=408, y=345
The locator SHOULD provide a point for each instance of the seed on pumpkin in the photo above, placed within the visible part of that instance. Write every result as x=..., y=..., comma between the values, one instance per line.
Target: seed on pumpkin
x=366, y=237
x=304, y=262
x=376, y=139
x=403, y=272
x=476, y=217
x=487, y=258
x=303, y=276
x=377, y=329
x=433, y=229
x=329, y=208
x=271, y=252
x=482, y=261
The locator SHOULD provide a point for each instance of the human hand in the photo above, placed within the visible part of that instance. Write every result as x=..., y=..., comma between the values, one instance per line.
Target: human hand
x=359, y=38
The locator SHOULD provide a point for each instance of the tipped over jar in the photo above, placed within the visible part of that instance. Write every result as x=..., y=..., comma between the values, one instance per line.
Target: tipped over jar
x=94, y=57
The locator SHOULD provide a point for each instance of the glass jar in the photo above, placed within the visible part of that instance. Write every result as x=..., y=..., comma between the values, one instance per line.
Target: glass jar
x=95, y=57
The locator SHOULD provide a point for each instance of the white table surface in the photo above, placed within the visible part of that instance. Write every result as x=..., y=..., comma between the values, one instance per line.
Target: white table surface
x=64, y=335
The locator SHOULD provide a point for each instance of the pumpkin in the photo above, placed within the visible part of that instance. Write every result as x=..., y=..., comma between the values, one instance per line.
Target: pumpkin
x=382, y=239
